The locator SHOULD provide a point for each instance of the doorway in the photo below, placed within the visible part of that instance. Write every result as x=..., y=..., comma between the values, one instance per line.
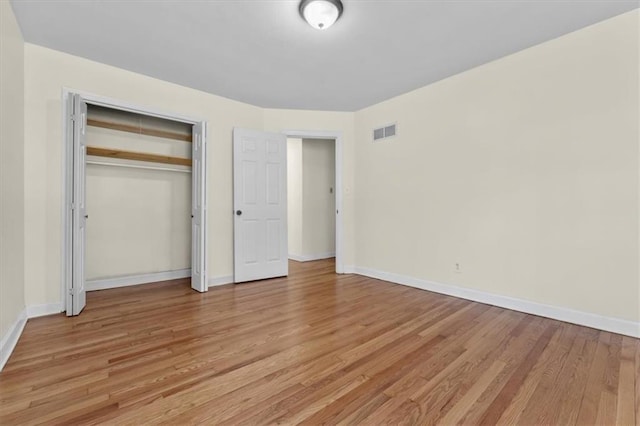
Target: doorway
x=79, y=152
x=311, y=174
x=336, y=138
x=139, y=227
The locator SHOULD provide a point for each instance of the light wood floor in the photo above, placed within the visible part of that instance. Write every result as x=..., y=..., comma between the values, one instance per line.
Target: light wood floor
x=314, y=348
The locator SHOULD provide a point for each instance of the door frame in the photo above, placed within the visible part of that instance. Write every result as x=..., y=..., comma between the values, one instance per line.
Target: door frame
x=337, y=136
x=67, y=171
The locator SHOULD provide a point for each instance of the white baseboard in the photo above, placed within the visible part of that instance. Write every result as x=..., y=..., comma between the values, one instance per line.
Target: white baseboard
x=216, y=281
x=311, y=257
x=35, y=311
x=349, y=269
x=9, y=340
x=106, y=283
x=614, y=325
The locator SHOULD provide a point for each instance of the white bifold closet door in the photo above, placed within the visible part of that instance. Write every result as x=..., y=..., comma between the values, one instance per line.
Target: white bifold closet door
x=77, y=124
x=78, y=293
x=260, y=205
x=198, y=211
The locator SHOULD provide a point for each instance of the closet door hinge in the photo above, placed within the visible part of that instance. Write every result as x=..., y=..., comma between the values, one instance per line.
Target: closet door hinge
x=71, y=292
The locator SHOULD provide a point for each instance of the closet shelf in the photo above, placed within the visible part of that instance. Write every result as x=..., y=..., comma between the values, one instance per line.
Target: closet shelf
x=138, y=166
x=139, y=156
x=184, y=137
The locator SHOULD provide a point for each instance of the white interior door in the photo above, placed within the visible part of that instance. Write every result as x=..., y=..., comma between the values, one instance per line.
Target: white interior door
x=78, y=292
x=198, y=211
x=260, y=205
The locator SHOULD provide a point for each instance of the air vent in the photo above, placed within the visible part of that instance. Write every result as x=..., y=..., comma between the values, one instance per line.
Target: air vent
x=384, y=132
x=390, y=131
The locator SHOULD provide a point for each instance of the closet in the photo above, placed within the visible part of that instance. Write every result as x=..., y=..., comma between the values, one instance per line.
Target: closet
x=138, y=198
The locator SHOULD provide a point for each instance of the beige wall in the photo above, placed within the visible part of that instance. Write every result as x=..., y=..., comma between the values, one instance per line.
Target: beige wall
x=139, y=219
x=524, y=171
x=294, y=195
x=11, y=169
x=318, y=203
x=46, y=73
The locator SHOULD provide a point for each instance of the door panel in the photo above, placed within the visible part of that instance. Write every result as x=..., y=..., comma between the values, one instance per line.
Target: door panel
x=273, y=239
x=260, y=205
x=198, y=211
x=273, y=183
x=250, y=179
x=79, y=208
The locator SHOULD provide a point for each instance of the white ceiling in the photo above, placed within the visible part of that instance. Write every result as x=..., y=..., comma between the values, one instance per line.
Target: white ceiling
x=263, y=53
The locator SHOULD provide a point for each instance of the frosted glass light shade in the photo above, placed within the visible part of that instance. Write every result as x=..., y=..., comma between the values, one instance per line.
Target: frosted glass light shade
x=321, y=14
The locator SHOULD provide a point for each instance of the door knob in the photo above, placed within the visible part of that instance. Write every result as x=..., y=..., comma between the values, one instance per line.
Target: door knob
x=86, y=216
x=239, y=212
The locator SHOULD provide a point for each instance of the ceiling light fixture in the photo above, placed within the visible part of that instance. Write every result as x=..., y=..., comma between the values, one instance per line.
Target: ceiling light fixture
x=321, y=14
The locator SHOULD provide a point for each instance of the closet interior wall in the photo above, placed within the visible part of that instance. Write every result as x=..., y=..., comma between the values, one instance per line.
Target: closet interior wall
x=139, y=211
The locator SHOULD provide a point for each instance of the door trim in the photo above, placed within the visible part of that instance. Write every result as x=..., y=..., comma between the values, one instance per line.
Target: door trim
x=67, y=170
x=337, y=136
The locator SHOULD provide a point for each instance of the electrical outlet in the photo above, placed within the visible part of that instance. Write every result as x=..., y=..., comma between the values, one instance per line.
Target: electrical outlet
x=457, y=268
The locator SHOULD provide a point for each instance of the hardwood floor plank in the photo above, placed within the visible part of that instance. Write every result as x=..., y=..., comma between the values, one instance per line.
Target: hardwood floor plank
x=593, y=389
x=313, y=348
x=529, y=383
x=550, y=384
x=568, y=404
x=370, y=405
x=626, y=410
x=637, y=377
x=451, y=358
x=446, y=389
x=319, y=401
x=460, y=409
x=525, y=339
x=347, y=404
x=555, y=387
x=606, y=409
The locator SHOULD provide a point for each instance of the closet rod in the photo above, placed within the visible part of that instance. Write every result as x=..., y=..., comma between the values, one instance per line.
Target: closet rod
x=139, y=130
x=136, y=166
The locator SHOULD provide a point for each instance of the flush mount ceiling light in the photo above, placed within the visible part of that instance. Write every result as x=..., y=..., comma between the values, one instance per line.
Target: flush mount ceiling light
x=321, y=14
